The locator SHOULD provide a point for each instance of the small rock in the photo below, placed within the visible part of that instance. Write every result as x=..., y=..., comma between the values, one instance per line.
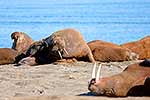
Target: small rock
x=71, y=77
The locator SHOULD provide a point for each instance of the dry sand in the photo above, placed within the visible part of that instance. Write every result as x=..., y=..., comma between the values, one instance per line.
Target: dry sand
x=54, y=82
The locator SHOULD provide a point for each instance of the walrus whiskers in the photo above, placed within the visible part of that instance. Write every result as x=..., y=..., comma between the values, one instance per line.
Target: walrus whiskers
x=60, y=54
x=93, y=72
x=98, y=72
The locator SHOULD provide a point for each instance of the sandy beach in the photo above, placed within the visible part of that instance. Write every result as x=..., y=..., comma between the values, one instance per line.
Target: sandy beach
x=63, y=81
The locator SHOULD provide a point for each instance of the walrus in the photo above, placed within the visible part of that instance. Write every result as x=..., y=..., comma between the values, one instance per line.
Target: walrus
x=21, y=41
x=63, y=44
x=141, y=47
x=133, y=81
x=7, y=56
x=106, y=51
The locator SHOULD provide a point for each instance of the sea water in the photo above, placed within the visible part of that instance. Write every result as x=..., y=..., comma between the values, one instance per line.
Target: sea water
x=116, y=21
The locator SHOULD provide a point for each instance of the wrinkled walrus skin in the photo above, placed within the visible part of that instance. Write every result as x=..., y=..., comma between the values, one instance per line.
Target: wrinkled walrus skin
x=7, y=56
x=68, y=43
x=133, y=81
x=106, y=52
x=140, y=47
x=21, y=41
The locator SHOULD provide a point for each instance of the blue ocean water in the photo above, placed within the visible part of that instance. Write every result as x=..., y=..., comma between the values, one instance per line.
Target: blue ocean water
x=116, y=21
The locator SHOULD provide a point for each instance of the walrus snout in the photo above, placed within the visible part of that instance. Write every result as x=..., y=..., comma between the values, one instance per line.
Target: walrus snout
x=58, y=44
x=98, y=88
x=92, y=87
x=91, y=83
x=102, y=87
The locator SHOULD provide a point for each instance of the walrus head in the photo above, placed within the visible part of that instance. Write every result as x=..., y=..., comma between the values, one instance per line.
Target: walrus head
x=99, y=85
x=133, y=81
x=54, y=45
x=36, y=47
x=57, y=44
x=21, y=41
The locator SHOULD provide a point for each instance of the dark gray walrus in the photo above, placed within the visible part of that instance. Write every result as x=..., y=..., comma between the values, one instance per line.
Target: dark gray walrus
x=63, y=44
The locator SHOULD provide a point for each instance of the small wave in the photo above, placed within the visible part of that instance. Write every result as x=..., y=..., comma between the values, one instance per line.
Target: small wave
x=70, y=22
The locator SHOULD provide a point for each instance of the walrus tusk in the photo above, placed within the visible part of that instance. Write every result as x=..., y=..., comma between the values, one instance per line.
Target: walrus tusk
x=60, y=55
x=98, y=72
x=93, y=72
x=66, y=51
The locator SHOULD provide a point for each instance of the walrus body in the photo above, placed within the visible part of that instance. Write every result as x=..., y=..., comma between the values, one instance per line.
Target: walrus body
x=133, y=81
x=106, y=51
x=21, y=41
x=73, y=42
x=63, y=44
x=7, y=56
x=141, y=47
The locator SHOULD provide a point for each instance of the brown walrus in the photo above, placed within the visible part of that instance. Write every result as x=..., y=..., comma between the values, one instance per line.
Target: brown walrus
x=63, y=44
x=21, y=41
x=133, y=81
x=7, y=56
x=141, y=47
x=106, y=51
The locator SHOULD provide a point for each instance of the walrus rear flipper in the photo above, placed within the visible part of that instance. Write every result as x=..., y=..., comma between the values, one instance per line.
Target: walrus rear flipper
x=145, y=63
x=140, y=90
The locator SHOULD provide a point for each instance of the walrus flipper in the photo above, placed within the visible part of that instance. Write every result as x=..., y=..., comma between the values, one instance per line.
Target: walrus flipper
x=145, y=63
